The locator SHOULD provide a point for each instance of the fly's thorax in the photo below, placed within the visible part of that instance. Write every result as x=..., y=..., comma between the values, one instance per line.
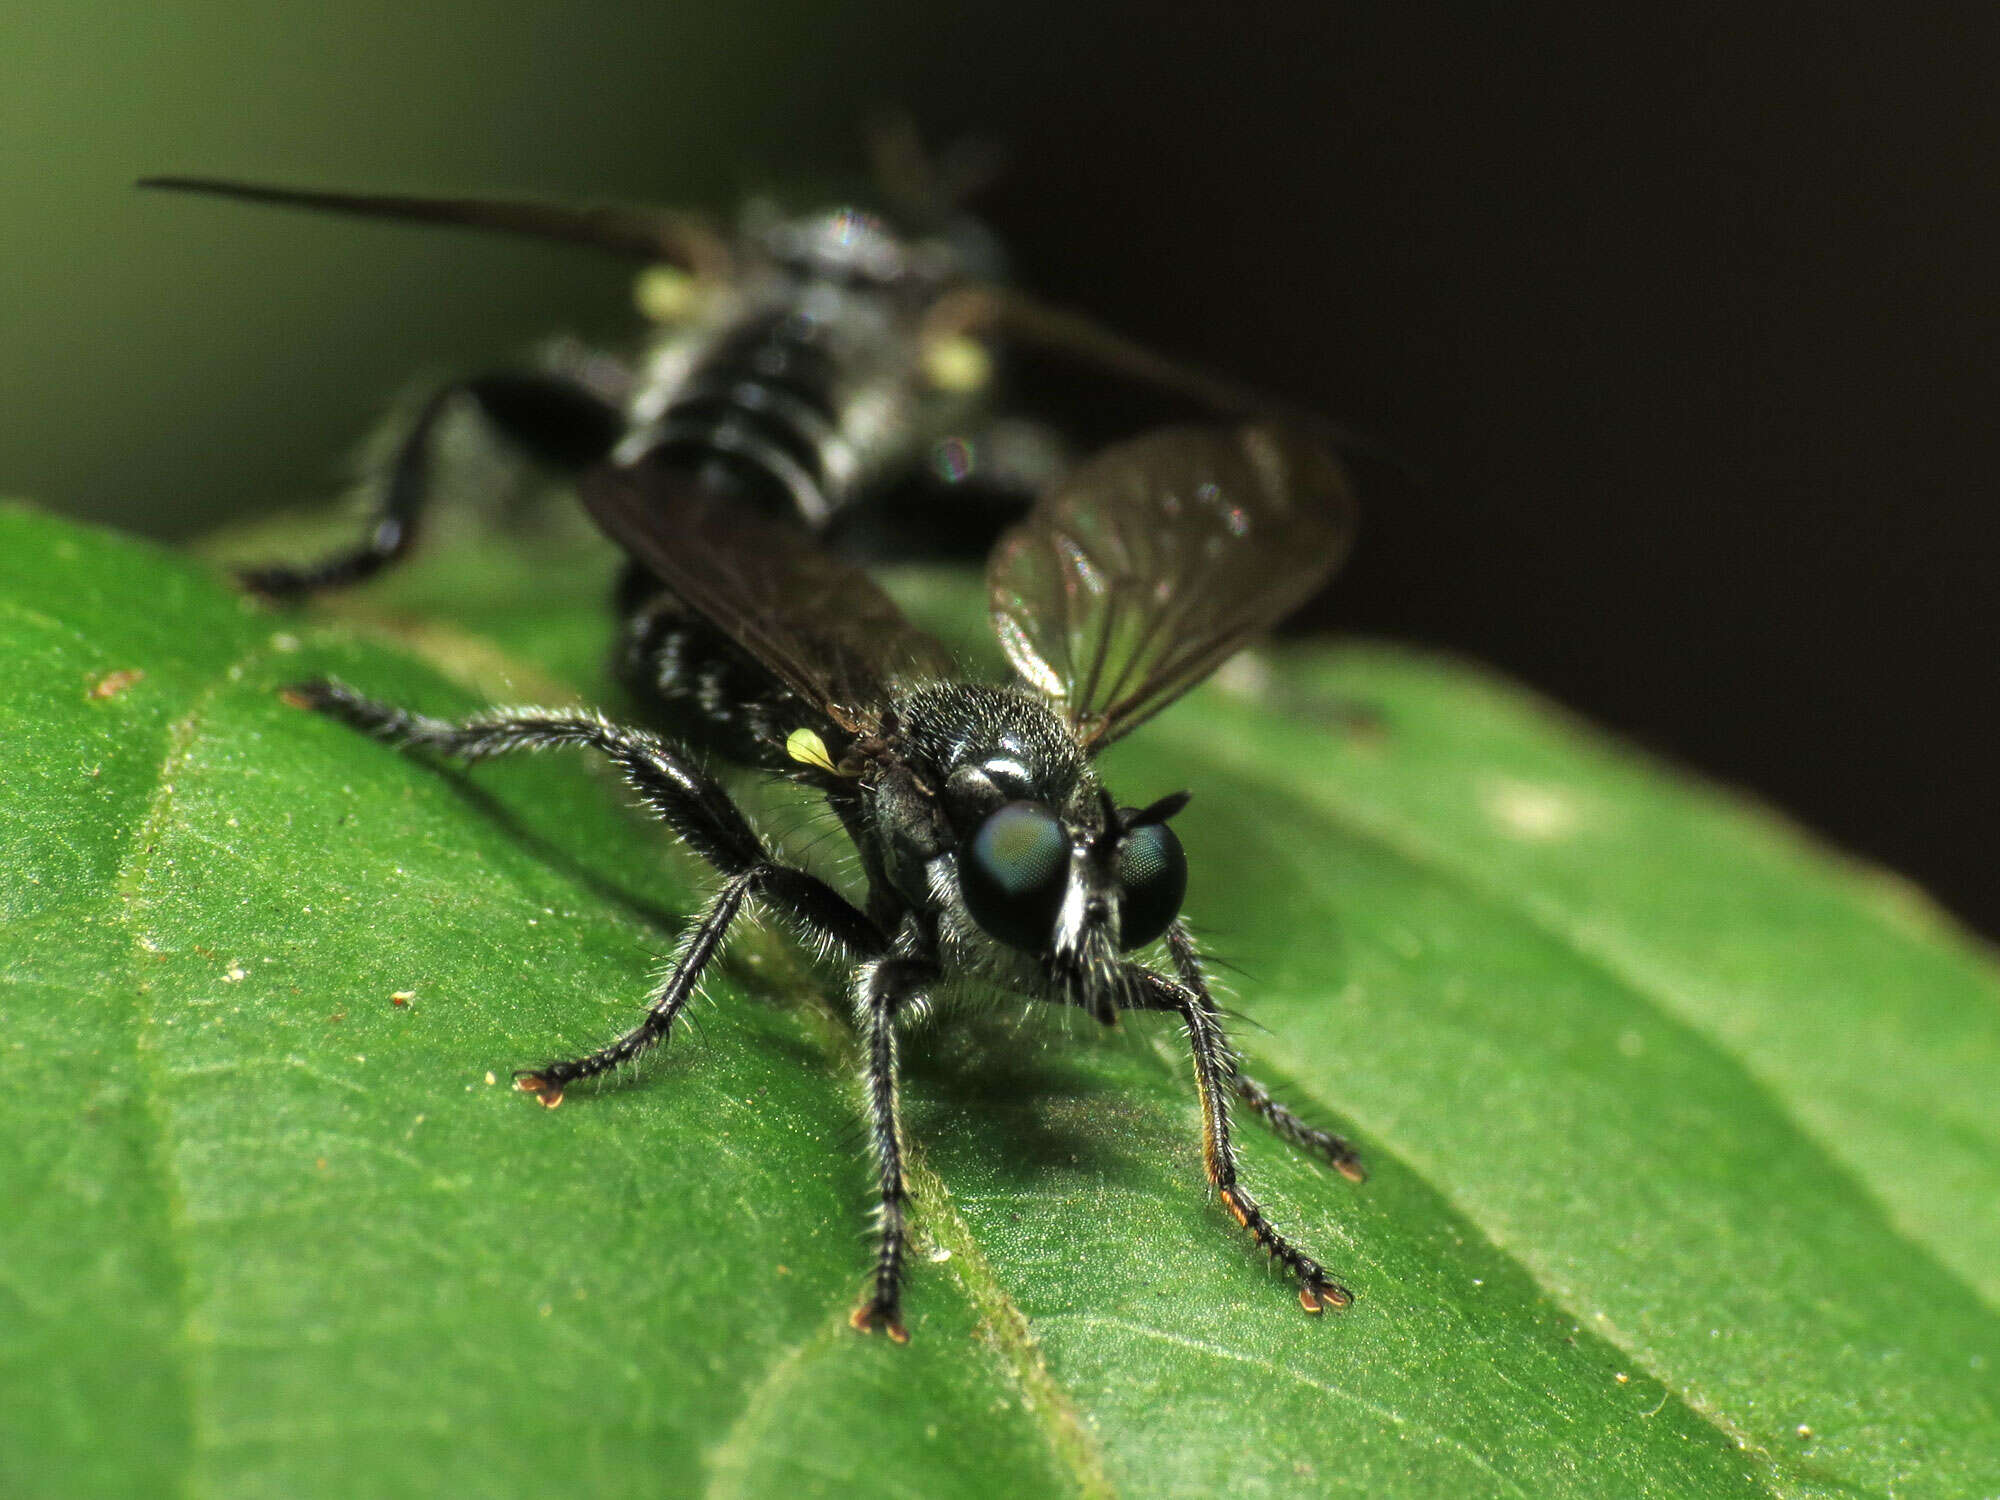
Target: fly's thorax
x=978, y=745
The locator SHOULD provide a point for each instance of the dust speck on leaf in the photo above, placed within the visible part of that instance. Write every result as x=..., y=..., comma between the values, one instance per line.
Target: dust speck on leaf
x=111, y=684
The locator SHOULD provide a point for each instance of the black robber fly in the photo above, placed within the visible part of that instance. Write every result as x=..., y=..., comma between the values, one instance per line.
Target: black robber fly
x=995, y=860
x=813, y=364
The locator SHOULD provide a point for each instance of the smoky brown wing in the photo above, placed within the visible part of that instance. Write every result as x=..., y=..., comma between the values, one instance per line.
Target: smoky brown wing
x=819, y=624
x=1154, y=562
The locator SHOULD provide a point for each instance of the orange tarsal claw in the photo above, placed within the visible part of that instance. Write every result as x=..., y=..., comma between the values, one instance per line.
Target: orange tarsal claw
x=546, y=1094
x=1316, y=1300
x=863, y=1319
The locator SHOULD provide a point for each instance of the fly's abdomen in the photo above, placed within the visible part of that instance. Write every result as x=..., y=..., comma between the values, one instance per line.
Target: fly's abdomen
x=762, y=406
x=704, y=690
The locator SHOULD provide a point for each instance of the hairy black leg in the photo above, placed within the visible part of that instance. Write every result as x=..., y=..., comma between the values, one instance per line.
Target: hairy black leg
x=691, y=802
x=882, y=991
x=1337, y=1151
x=1214, y=1075
x=701, y=944
x=556, y=420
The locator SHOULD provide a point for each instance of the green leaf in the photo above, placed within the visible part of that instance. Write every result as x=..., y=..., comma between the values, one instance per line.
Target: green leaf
x=1684, y=1148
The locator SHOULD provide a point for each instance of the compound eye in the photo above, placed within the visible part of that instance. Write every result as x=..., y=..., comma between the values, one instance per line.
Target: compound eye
x=1152, y=879
x=1013, y=874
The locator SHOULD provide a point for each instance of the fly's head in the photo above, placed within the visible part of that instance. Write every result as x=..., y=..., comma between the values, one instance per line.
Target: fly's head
x=1078, y=888
x=1044, y=861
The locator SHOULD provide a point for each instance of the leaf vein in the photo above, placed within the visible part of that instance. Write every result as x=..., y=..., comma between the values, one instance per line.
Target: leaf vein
x=1217, y=1351
x=153, y=1069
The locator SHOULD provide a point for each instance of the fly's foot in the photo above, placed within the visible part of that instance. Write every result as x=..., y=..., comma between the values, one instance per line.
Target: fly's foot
x=874, y=1314
x=1345, y=1160
x=1318, y=1292
x=547, y=1091
x=1332, y=1149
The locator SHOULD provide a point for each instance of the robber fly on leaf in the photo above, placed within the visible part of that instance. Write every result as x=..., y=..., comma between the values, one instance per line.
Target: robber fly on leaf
x=996, y=862
x=814, y=364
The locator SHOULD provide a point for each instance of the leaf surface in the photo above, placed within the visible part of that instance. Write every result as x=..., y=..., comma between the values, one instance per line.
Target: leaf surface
x=1684, y=1156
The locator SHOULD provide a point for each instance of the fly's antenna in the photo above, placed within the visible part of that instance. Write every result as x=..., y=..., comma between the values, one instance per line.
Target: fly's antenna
x=926, y=187
x=652, y=235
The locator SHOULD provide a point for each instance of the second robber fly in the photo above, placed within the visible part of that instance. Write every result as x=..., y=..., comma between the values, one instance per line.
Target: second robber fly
x=814, y=364
x=996, y=862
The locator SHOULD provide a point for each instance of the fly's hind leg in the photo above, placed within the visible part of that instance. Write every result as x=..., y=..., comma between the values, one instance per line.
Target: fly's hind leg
x=557, y=421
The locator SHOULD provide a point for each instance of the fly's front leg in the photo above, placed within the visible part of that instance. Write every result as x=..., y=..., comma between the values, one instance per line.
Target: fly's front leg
x=1214, y=1077
x=556, y=420
x=883, y=991
x=547, y=1083
x=1336, y=1150
x=689, y=801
